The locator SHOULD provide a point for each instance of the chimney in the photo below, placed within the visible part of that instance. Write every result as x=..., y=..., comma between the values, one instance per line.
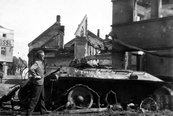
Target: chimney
x=106, y=36
x=58, y=18
x=98, y=32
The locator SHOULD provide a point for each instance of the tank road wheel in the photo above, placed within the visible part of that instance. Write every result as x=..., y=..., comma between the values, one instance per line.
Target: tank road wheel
x=163, y=97
x=148, y=104
x=80, y=97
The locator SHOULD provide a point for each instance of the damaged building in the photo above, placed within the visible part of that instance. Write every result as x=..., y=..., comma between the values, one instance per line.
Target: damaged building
x=51, y=41
x=142, y=36
x=85, y=45
x=6, y=48
x=90, y=46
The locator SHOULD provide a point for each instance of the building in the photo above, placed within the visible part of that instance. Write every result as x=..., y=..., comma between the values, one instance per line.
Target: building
x=6, y=48
x=85, y=44
x=88, y=45
x=92, y=48
x=51, y=41
x=152, y=36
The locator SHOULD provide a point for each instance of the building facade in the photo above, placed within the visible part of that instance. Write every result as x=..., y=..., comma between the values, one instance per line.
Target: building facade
x=6, y=48
x=152, y=36
x=51, y=41
x=85, y=45
x=90, y=46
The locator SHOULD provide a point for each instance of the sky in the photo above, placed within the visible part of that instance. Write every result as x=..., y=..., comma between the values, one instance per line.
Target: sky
x=30, y=18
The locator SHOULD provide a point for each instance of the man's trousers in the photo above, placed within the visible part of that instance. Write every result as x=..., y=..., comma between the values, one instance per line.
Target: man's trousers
x=37, y=98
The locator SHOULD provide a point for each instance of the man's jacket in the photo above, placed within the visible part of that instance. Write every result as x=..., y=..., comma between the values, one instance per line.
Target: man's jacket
x=36, y=73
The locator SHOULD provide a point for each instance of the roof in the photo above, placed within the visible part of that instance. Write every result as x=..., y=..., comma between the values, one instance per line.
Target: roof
x=5, y=29
x=46, y=36
x=70, y=43
x=95, y=41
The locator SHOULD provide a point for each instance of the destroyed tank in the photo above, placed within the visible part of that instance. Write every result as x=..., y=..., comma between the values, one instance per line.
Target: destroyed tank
x=86, y=88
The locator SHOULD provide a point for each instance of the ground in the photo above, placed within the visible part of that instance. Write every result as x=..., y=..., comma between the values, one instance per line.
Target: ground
x=12, y=80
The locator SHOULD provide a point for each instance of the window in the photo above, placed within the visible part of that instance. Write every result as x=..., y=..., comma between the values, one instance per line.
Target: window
x=3, y=51
x=4, y=35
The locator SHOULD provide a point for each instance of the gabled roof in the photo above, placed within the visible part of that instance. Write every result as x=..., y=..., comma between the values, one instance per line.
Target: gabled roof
x=94, y=40
x=46, y=36
x=70, y=43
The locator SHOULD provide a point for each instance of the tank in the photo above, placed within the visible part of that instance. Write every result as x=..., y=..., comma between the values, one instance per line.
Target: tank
x=93, y=87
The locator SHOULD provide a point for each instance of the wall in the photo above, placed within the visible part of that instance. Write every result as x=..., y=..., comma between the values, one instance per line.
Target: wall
x=118, y=60
x=6, y=48
x=153, y=35
x=6, y=45
x=52, y=63
x=80, y=47
x=160, y=66
x=149, y=34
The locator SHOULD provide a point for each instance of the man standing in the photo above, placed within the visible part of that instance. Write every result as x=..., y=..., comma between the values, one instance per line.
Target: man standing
x=36, y=72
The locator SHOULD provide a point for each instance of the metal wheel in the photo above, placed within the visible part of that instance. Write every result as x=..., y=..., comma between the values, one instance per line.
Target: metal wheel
x=148, y=104
x=80, y=97
x=163, y=98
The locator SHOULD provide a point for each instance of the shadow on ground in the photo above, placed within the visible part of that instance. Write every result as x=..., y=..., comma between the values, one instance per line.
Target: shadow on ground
x=14, y=81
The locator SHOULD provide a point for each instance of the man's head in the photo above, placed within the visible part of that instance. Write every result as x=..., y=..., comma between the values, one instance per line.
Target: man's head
x=40, y=54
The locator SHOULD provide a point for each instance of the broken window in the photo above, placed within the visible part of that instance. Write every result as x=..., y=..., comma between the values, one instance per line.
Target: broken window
x=3, y=51
x=4, y=35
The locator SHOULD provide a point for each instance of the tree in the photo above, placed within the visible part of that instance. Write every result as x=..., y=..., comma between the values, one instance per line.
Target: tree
x=18, y=64
x=22, y=64
x=12, y=66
